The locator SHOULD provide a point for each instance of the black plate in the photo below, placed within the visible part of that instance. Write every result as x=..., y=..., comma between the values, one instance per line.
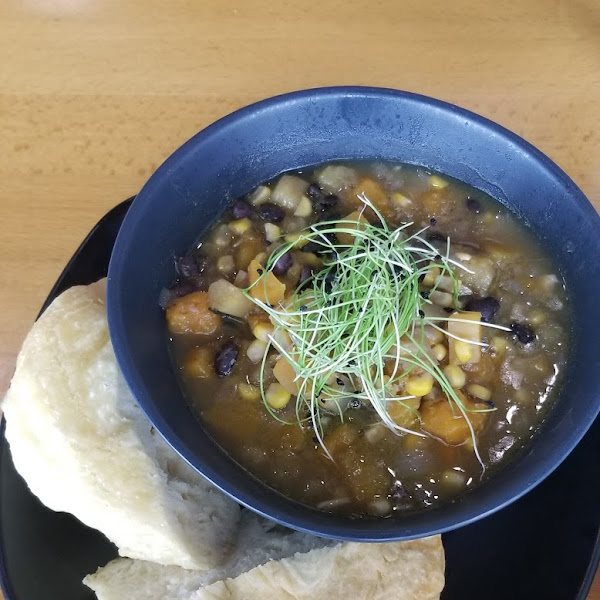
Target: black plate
x=546, y=545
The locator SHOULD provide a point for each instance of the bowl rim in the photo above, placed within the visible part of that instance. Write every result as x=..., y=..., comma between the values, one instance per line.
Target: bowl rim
x=512, y=491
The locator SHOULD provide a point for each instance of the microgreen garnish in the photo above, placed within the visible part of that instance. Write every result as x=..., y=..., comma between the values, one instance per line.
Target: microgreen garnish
x=358, y=325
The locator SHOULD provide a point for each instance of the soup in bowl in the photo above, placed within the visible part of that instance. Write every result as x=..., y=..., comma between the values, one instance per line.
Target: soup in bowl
x=350, y=309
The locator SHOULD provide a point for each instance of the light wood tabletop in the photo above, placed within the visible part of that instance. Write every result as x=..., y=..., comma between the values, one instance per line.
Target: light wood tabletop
x=95, y=94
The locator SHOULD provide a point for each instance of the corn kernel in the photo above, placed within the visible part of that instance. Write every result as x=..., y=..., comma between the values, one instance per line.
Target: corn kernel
x=435, y=181
x=248, y=392
x=401, y=200
x=240, y=225
x=440, y=352
x=478, y=391
x=304, y=208
x=262, y=331
x=272, y=232
x=256, y=350
x=462, y=351
x=430, y=276
x=277, y=396
x=226, y=264
x=456, y=376
x=419, y=385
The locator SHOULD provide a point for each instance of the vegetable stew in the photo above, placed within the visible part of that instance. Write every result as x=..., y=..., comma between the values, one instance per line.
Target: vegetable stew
x=368, y=338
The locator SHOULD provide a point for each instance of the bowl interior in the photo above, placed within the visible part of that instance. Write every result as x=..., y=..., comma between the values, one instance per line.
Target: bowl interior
x=191, y=189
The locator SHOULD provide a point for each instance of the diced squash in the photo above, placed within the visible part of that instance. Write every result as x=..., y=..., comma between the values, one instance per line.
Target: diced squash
x=340, y=438
x=265, y=286
x=289, y=191
x=356, y=219
x=229, y=299
x=467, y=327
x=404, y=413
x=372, y=190
x=199, y=363
x=444, y=420
x=192, y=314
x=286, y=375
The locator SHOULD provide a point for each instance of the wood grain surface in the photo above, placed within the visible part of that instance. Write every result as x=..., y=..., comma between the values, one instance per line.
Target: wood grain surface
x=95, y=94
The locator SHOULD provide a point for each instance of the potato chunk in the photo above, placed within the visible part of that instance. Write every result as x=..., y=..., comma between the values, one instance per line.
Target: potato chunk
x=192, y=314
x=229, y=299
x=467, y=327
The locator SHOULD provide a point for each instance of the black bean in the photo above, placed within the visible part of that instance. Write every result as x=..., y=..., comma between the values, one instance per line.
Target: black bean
x=226, y=358
x=326, y=202
x=191, y=265
x=314, y=191
x=271, y=212
x=355, y=403
x=523, y=333
x=329, y=215
x=282, y=264
x=488, y=307
x=305, y=274
x=241, y=209
x=183, y=288
x=432, y=221
x=313, y=247
x=473, y=205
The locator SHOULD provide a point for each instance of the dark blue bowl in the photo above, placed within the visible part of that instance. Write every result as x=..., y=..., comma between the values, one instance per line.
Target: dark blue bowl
x=229, y=158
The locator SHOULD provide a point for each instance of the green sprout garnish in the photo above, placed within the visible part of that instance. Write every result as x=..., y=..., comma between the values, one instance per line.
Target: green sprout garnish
x=360, y=313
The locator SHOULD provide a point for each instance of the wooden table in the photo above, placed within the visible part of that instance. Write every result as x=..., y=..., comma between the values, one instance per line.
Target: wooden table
x=94, y=94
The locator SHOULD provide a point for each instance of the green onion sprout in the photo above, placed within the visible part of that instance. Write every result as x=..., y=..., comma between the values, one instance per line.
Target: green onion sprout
x=362, y=311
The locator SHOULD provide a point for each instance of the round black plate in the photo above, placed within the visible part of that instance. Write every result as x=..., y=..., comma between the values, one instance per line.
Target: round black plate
x=545, y=545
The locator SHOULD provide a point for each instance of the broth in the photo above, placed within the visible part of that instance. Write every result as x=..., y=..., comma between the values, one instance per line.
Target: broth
x=352, y=462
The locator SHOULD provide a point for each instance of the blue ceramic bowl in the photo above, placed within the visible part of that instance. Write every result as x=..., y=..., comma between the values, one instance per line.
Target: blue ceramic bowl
x=229, y=158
